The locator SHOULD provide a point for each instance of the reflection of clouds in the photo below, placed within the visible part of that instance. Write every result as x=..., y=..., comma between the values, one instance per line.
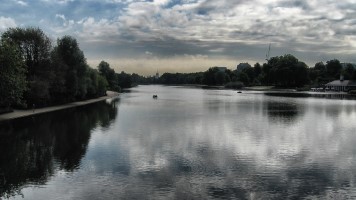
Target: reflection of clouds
x=177, y=147
x=211, y=144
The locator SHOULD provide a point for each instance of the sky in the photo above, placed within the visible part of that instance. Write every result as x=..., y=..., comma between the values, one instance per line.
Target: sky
x=146, y=36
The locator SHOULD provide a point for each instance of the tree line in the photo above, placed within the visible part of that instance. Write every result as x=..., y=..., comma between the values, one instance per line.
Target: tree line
x=279, y=71
x=34, y=72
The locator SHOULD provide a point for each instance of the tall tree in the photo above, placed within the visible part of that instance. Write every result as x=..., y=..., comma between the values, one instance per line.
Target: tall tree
x=109, y=74
x=71, y=59
x=333, y=68
x=12, y=76
x=286, y=71
x=34, y=47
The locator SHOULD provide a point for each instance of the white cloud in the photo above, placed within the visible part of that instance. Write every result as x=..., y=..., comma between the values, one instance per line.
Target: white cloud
x=6, y=22
x=61, y=16
x=231, y=29
x=22, y=3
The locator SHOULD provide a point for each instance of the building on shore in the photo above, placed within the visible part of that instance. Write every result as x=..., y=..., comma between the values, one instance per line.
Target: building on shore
x=341, y=85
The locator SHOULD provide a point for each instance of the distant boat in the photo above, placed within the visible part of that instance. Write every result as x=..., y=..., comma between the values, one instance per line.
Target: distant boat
x=239, y=92
x=155, y=96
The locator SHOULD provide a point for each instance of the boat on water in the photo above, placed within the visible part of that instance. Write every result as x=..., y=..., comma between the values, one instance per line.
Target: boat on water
x=155, y=96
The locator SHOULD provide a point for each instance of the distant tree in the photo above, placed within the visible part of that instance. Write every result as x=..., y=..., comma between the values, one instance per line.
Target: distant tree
x=92, y=83
x=109, y=74
x=125, y=80
x=257, y=69
x=12, y=76
x=286, y=71
x=209, y=76
x=219, y=77
x=243, y=77
x=250, y=72
x=73, y=61
x=320, y=67
x=102, y=85
x=348, y=71
x=333, y=68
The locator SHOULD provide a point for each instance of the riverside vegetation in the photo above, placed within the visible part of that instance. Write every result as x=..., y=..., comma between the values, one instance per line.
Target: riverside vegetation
x=34, y=72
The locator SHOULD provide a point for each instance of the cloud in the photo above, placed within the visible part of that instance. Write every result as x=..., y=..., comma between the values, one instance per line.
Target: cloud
x=312, y=30
x=6, y=22
x=22, y=3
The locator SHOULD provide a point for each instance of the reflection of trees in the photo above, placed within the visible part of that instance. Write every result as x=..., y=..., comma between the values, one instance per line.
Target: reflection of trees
x=281, y=111
x=32, y=148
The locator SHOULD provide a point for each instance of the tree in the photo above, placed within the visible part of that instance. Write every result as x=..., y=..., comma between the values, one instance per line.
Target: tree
x=257, y=69
x=286, y=71
x=243, y=77
x=12, y=76
x=109, y=74
x=333, y=68
x=348, y=71
x=71, y=59
x=250, y=72
x=124, y=80
x=34, y=47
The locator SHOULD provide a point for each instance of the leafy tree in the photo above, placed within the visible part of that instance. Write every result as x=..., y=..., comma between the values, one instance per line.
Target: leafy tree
x=286, y=71
x=109, y=74
x=250, y=72
x=257, y=69
x=219, y=77
x=209, y=76
x=71, y=59
x=12, y=76
x=348, y=71
x=34, y=47
x=243, y=77
x=124, y=80
x=333, y=68
x=102, y=85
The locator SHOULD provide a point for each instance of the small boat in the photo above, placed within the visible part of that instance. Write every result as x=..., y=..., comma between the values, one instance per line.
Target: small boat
x=239, y=92
x=155, y=96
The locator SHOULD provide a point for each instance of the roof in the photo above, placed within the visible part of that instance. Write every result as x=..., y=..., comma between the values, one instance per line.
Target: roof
x=342, y=83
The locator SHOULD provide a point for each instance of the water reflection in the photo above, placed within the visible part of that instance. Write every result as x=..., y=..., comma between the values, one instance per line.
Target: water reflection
x=211, y=144
x=286, y=111
x=32, y=149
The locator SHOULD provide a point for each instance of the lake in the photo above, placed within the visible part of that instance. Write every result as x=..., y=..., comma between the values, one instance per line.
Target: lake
x=189, y=143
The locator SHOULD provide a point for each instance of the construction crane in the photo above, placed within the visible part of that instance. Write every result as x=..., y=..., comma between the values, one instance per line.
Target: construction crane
x=269, y=49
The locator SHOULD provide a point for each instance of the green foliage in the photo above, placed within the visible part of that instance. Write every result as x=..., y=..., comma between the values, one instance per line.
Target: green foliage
x=109, y=74
x=54, y=75
x=180, y=78
x=285, y=71
x=34, y=47
x=102, y=85
x=348, y=72
x=125, y=80
x=73, y=61
x=243, y=77
x=12, y=75
x=333, y=68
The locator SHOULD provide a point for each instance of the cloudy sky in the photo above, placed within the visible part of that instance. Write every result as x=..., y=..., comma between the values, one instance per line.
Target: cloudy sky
x=192, y=35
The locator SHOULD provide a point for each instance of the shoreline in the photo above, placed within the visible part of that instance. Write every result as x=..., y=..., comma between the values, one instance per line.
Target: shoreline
x=26, y=113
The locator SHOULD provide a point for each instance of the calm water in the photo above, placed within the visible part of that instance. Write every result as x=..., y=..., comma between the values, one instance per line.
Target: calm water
x=187, y=144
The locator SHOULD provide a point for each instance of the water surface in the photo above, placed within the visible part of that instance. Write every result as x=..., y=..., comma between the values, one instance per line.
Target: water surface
x=187, y=144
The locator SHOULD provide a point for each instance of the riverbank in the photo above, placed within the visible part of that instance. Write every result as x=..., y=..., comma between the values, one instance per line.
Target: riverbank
x=25, y=113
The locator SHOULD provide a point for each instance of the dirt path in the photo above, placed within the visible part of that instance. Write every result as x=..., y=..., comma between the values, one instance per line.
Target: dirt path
x=26, y=113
